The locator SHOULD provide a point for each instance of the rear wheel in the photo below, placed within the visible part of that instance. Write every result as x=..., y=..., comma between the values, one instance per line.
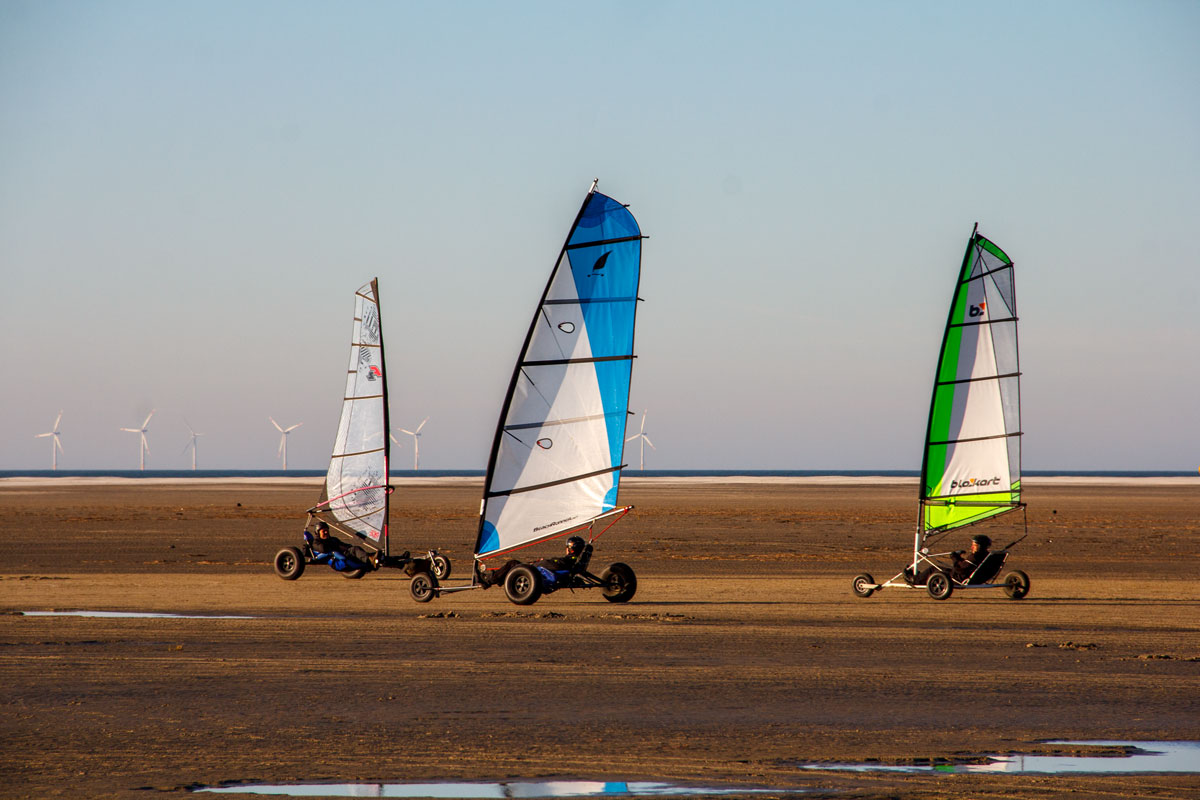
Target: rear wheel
x=939, y=586
x=441, y=567
x=354, y=574
x=289, y=563
x=421, y=587
x=864, y=585
x=620, y=583
x=522, y=585
x=1016, y=584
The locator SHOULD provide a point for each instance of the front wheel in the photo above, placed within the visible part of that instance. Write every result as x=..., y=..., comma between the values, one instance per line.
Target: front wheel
x=354, y=574
x=939, y=586
x=864, y=585
x=441, y=567
x=620, y=583
x=289, y=563
x=422, y=586
x=522, y=585
x=1016, y=584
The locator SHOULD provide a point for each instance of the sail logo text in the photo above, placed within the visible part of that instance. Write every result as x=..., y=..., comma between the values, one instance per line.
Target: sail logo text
x=971, y=483
x=978, y=311
x=374, y=373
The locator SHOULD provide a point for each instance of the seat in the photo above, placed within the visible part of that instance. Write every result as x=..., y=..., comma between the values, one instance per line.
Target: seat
x=988, y=569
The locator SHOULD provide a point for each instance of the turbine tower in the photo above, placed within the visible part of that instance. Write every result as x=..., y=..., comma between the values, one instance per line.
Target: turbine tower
x=56, y=445
x=283, y=439
x=645, y=440
x=416, y=442
x=192, y=443
x=145, y=448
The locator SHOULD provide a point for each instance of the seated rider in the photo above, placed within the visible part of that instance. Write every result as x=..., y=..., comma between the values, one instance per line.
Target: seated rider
x=963, y=565
x=495, y=577
x=324, y=543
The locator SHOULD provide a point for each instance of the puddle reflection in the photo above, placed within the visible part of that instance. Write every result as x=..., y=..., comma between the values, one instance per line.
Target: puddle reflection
x=1149, y=757
x=132, y=615
x=469, y=791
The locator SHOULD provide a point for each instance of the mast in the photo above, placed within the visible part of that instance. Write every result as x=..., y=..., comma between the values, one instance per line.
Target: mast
x=387, y=429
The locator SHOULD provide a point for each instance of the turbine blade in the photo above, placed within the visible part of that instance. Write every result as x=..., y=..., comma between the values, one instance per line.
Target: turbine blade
x=406, y=430
x=58, y=420
x=422, y=425
x=652, y=447
x=58, y=444
x=297, y=425
x=276, y=424
x=43, y=435
x=148, y=416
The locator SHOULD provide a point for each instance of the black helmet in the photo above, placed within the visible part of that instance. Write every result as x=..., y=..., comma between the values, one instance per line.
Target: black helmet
x=575, y=545
x=982, y=541
x=322, y=526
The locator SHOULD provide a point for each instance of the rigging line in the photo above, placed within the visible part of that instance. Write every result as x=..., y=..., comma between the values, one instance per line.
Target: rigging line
x=359, y=453
x=555, y=362
x=585, y=301
x=983, y=322
x=977, y=439
x=518, y=439
x=566, y=421
x=602, y=242
x=983, y=378
x=536, y=389
x=560, y=481
x=989, y=272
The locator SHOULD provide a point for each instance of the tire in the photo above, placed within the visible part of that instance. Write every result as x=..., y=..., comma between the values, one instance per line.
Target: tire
x=441, y=567
x=620, y=583
x=862, y=585
x=422, y=587
x=289, y=563
x=353, y=574
x=1016, y=584
x=523, y=585
x=939, y=586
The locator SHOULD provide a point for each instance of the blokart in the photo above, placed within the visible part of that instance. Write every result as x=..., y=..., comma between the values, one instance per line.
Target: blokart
x=291, y=561
x=940, y=583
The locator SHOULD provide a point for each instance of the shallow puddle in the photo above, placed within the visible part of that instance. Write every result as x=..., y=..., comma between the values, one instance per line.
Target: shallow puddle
x=131, y=615
x=468, y=791
x=1148, y=757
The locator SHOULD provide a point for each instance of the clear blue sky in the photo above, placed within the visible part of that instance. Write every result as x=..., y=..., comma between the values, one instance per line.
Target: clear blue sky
x=190, y=192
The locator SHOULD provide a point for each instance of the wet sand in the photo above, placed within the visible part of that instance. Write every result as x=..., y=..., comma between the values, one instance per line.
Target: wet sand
x=743, y=654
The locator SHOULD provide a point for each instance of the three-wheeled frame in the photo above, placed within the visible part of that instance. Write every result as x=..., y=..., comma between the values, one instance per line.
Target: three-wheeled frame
x=291, y=561
x=940, y=583
x=525, y=583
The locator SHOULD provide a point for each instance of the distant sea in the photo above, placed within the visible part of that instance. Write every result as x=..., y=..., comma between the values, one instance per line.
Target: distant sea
x=478, y=473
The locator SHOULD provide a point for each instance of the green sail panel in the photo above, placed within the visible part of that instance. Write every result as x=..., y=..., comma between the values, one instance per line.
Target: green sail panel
x=972, y=464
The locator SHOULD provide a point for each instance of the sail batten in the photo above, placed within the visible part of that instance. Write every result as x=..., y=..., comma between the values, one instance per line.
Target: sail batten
x=354, y=499
x=569, y=394
x=971, y=469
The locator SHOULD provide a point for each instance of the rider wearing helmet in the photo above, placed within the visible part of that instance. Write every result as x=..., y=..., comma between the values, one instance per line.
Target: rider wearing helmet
x=963, y=565
x=575, y=546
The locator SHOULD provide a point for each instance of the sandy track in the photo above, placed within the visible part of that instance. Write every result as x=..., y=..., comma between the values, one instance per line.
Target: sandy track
x=743, y=654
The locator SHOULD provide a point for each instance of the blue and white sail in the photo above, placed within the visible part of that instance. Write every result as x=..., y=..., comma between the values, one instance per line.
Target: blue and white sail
x=556, y=460
x=355, y=497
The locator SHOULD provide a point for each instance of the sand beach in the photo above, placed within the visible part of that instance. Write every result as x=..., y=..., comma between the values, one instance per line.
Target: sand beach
x=743, y=656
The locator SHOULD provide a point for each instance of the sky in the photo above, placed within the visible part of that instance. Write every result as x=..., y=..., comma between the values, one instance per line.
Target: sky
x=191, y=192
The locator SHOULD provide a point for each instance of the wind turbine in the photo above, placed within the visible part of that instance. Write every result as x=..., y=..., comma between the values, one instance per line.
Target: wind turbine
x=56, y=445
x=283, y=439
x=641, y=434
x=145, y=448
x=416, y=442
x=192, y=443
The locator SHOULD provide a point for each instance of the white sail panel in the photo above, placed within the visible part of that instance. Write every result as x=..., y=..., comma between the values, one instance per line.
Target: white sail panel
x=355, y=492
x=557, y=455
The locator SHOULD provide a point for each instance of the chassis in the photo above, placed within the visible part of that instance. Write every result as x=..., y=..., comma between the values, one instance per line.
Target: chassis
x=291, y=561
x=941, y=584
x=525, y=583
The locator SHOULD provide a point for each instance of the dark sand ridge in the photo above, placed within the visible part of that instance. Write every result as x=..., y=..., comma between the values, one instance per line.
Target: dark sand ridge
x=743, y=653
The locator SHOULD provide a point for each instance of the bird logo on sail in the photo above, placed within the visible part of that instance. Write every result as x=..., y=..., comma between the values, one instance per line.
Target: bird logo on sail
x=978, y=311
x=599, y=265
x=374, y=373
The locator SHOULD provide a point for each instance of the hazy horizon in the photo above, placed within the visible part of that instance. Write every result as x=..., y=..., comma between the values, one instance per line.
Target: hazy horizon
x=191, y=192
